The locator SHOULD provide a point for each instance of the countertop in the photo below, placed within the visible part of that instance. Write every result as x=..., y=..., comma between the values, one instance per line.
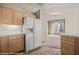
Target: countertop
x=67, y=34
x=8, y=34
x=71, y=34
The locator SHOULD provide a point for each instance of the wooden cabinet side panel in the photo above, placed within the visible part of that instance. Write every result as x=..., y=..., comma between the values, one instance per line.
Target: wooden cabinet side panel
x=77, y=45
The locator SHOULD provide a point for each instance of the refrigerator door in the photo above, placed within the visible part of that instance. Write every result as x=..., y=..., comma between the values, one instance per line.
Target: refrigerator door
x=29, y=41
x=37, y=33
x=28, y=30
x=28, y=23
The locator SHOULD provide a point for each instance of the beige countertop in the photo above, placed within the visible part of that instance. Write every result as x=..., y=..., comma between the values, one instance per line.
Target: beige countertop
x=77, y=35
x=8, y=34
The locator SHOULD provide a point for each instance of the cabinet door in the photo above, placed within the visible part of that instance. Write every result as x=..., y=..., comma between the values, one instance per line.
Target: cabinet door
x=67, y=45
x=4, y=44
x=6, y=15
x=17, y=17
x=0, y=14
x=16, y=43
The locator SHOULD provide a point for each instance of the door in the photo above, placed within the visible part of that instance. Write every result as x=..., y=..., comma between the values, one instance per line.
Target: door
x=28, y=30
x=6, y=15
x=17, y=17
x=0, y=14
x=37, y=33
x=16, y=43
x=68, y=45
x=3, y=44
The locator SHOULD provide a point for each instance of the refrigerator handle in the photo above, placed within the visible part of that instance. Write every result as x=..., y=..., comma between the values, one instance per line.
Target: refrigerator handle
x=22, y=23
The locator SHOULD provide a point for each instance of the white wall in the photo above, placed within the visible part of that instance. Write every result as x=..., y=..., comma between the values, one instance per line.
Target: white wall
x=71, y=16
x=51, y=28
x=72, y=22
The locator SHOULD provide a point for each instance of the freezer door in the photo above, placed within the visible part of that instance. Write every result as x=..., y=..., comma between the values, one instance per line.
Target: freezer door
x=37, y=33
x=28, y=29
x=28, y=23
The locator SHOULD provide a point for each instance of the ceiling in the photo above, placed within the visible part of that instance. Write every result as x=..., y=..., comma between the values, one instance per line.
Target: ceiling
x=52, y=5
x=58, y=10
x=26, y=7
x=33, y=7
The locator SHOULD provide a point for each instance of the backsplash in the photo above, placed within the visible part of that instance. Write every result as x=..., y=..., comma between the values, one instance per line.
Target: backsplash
x=9, y=29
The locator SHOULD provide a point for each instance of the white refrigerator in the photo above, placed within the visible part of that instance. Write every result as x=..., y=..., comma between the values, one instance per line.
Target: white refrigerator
x=32, y=29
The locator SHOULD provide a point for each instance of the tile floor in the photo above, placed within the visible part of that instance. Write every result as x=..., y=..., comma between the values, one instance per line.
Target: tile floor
x=44, y=50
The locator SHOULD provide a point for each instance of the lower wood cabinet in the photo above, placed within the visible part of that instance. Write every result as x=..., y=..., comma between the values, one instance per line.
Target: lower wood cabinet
x=11, y=44
x=69, y=45
x=3, y=44
x=16, y=43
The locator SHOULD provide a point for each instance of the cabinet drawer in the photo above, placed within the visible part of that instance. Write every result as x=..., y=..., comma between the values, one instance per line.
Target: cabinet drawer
x=16, y=36
x=19, y=36
x=67, y=51
x=67, y=43
x=67, y=38
x=12, y=37
x=68, y=46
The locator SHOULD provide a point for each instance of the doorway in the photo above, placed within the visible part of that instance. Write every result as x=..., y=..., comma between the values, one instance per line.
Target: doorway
x=55, y=29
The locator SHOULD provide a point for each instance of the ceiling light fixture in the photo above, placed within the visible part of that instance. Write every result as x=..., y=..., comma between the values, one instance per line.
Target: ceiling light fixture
x=56, y=13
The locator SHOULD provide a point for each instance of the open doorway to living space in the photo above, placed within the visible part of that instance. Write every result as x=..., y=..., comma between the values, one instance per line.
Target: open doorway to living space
x=55, y=29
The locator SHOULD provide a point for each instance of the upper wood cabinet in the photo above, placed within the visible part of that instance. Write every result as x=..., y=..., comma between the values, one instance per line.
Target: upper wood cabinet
x=0, y=14
x=17, y=17
x=6, y=16
x=10, y=16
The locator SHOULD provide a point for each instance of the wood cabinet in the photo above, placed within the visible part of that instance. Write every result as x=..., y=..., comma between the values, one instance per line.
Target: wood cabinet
x=16, y=43
x=0, y=14
x=3, y=44
x=6, y=16
x=69, y=45
x=17, y=17
x=10, y=16
x=11, y=44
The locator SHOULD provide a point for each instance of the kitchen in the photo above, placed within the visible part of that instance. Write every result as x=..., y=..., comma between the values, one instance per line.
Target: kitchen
x=25, y=28
x=13, y=29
